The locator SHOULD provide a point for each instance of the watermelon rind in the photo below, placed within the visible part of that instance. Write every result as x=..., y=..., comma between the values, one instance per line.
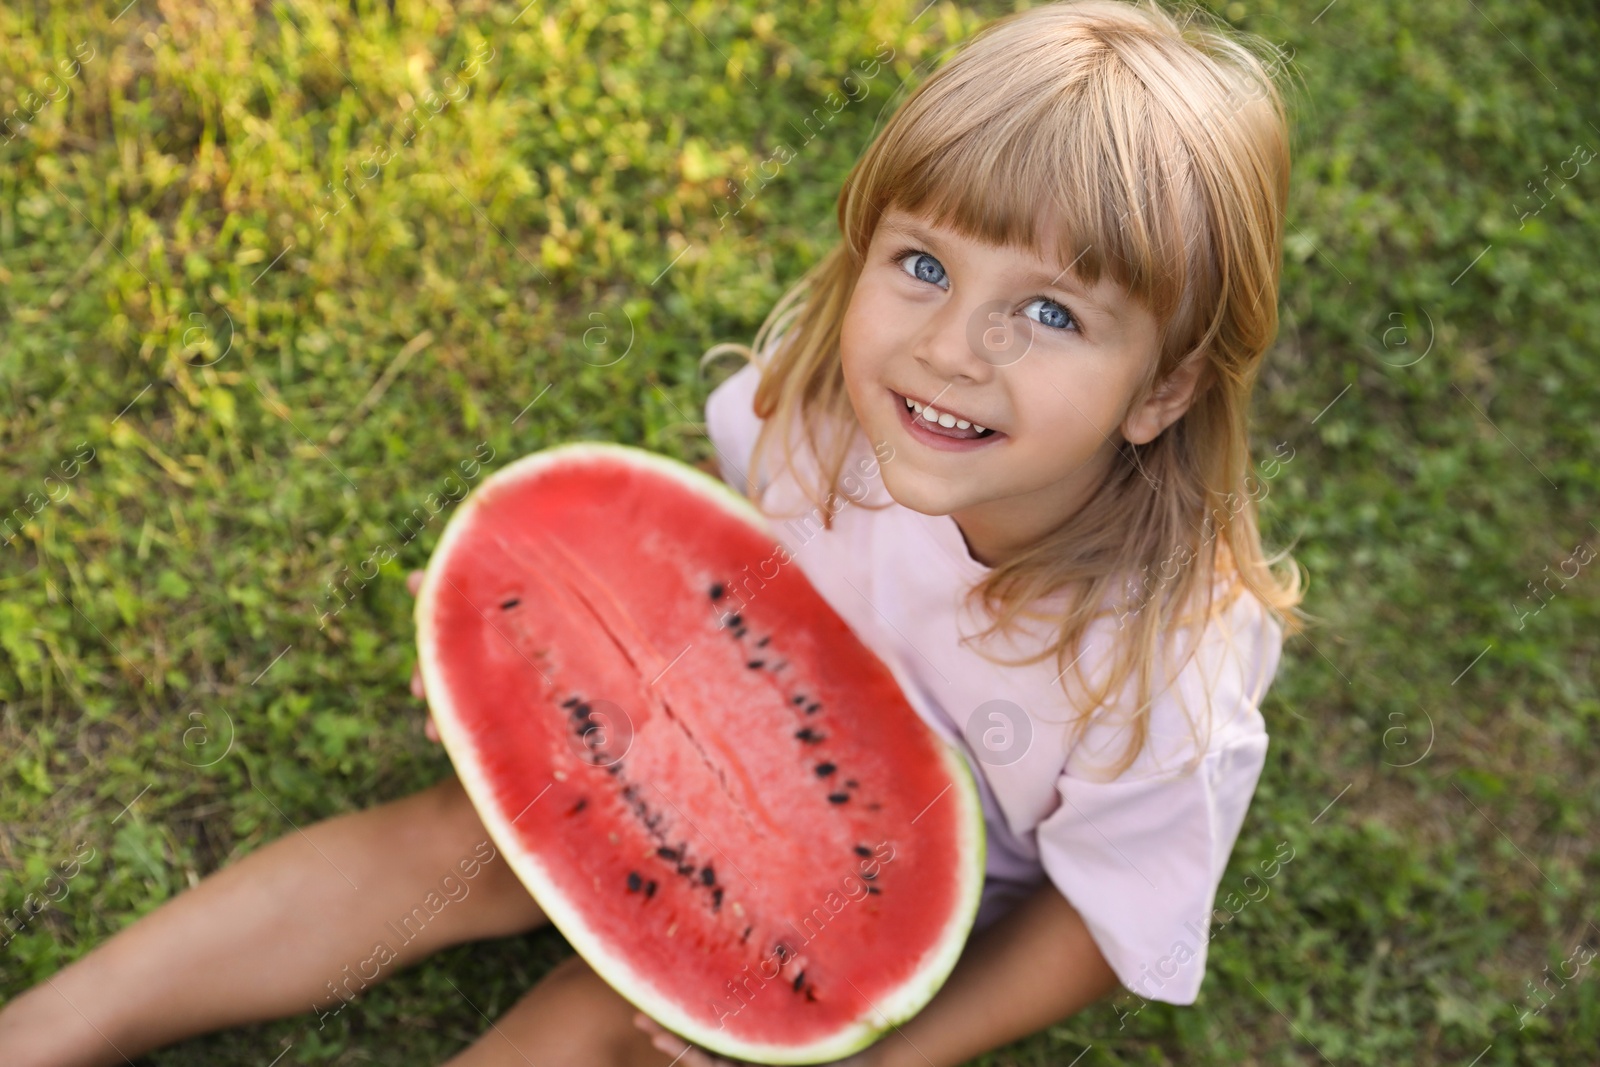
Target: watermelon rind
x=889, y=1012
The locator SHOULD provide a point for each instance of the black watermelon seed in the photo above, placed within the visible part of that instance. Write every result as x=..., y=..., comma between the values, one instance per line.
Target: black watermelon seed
x=868, y=876
x=571, y=702
x=799, y=698
x=707, y=875
x=838, y=798
x=806, y=734
x=507, y=605
x=667, y=853
x=614, y=768
x=650, y=888
x=755, y=664
x=873, y=889
x=809, y=995
x=582, y=803
x=735, y=619
x=764, y=640
x=716, y=898
x=746, y=933
x=782, y=950
x=863, y=850
x=811, y=709
x=799, y=979
x=738, y=631
x=716, y=591
x=686, y=868
x=825, y=769
x=634, y=881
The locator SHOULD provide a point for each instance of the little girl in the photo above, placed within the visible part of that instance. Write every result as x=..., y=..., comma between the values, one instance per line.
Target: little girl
x=1002, y=427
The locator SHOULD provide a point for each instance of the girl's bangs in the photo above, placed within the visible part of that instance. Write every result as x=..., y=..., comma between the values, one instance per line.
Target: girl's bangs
x=1070, y=172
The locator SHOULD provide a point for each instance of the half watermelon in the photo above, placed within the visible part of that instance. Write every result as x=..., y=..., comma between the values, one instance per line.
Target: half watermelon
x=714, y=790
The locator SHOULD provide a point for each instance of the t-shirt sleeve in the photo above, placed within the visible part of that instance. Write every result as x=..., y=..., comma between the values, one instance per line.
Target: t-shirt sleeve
x=732, y=425
x=731, y=421
x=1141, y=857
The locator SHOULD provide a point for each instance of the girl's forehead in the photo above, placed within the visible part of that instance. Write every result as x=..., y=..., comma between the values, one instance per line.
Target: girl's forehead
x=924, y=225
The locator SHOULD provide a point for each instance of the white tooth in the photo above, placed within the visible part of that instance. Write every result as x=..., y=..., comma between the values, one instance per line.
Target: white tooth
x=962, y=424
x=916, y=407
x=910, y=403
x=930, y=413
x=980, y=429
x=946, y=419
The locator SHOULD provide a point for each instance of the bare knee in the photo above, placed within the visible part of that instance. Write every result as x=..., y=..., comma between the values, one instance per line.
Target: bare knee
x=460, y=846
x=602, y=1032
x=571, y=1018
x=447, y=801
x=436, y=826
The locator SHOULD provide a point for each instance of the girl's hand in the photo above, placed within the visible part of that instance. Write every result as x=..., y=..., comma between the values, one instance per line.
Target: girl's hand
x=692, y=1056
x=413, y=583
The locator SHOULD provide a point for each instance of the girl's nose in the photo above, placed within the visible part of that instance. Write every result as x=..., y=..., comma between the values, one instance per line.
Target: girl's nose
x=996, y=336
x=968, y=341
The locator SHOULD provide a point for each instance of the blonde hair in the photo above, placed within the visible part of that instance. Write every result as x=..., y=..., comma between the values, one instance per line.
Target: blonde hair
x=1162, y=149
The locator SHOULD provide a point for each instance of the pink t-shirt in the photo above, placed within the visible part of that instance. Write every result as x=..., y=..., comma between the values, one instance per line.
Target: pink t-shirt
x=1140, y=857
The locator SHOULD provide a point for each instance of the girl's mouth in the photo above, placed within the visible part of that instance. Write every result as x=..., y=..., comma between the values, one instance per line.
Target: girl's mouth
x=933, y=433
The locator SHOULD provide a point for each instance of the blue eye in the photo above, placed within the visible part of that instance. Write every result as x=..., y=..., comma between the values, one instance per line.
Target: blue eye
x=923, y=267
x=1052, y=314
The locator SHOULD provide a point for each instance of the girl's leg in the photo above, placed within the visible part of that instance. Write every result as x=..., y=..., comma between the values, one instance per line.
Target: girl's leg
x=285, y=929
x=571, y=1018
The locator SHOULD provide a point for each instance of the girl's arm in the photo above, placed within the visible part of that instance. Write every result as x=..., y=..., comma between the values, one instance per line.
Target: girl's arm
x=1032, y=968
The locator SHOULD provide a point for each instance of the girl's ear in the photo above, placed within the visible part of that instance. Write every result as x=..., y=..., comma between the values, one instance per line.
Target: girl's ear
x=1166, y=403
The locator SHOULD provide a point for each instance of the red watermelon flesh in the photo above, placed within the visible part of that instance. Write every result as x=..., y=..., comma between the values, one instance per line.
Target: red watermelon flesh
x=713, y=789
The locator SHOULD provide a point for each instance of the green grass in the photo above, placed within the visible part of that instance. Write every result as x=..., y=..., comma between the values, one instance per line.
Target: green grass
x=272, y=371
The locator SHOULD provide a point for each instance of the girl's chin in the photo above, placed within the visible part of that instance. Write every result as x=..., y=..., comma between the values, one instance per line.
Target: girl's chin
x=922, y=493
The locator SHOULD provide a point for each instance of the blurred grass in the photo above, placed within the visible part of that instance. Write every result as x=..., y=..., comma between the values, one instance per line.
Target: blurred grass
x=262, y=295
